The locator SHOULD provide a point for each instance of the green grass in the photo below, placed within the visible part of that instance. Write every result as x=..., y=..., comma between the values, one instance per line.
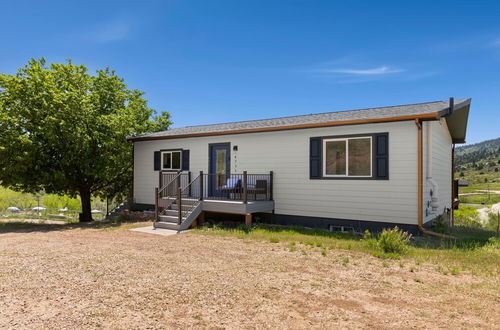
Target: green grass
x=469, y=252
x=474, y=187
x=53, y=202
x=486, y=199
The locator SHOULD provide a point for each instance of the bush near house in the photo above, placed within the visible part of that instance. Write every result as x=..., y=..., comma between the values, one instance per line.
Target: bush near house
x=393, y=241
x=467, y=216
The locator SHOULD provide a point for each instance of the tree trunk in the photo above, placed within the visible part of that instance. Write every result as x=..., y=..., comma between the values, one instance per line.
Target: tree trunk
x=86, y=214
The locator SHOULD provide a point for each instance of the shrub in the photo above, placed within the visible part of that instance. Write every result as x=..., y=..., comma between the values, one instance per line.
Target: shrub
x=493, y=221
x=494, y=242
x=393, y=241
x=367, y=235
x=467, y=216
x=439, y=224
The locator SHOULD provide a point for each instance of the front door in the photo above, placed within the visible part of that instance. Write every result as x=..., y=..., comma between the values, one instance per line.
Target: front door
x=219, y=168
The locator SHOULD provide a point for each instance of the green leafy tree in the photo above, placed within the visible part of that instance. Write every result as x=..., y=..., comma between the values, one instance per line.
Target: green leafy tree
x=63, y=131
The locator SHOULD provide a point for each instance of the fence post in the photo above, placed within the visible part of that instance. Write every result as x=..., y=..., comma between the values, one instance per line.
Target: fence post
x=179, y=204
x=189, y=183
x=271, y=174
x=156, y=204
x=201, y=186
x=245, y=190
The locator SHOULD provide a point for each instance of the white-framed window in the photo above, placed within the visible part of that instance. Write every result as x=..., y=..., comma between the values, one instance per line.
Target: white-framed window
x=347, y=157
x=171, y=160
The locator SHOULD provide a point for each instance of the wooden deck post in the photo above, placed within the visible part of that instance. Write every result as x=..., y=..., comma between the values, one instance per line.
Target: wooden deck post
x=201, y=218
x=245, y=188
x=179, y=204
x=248, y=219
x=201, y=186
x=156, y=204
x=189, y=181
x=160, y=179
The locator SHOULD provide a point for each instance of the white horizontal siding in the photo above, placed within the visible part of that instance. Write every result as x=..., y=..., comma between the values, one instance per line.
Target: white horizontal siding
x=287, y=154
x=440, y=151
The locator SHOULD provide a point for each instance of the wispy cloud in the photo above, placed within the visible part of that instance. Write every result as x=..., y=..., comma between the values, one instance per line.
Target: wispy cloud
x=496, y=43
x=355, y=69
x=381, y=70
x=113, y=31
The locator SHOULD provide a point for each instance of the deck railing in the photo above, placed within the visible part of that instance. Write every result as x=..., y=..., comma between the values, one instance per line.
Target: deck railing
x=191, y=195
x=170, y=181
x=238, y=187
x=234, y=187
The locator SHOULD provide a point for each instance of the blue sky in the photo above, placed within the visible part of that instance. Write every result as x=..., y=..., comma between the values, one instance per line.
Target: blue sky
x=218, y=61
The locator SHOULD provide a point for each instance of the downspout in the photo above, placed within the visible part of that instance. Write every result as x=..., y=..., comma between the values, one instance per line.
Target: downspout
x=453, y=185
x=434, y=188
x=420, y=225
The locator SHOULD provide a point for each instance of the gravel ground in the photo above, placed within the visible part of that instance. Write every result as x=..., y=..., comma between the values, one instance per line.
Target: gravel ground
x=91, y=278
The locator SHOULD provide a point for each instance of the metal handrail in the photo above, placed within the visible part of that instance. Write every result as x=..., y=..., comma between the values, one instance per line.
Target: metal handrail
x=181, y=192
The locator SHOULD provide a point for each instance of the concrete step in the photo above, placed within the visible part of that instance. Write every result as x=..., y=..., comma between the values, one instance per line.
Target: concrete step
x=167, y=225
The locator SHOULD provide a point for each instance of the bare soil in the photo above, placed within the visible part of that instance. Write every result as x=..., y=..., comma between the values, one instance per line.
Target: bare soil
x=91, y=278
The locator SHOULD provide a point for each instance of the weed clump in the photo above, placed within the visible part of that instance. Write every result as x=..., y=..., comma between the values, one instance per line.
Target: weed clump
x=393, y=241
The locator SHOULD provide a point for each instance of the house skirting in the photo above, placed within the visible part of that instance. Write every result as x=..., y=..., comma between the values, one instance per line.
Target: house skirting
x=304, y=221
x=325, y=223
x=142, y=207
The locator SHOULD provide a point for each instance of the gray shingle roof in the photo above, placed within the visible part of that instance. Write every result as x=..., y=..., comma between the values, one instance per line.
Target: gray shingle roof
x=338, y=116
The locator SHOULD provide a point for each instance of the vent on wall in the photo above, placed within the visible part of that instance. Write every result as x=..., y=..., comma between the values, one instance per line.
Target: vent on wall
x=341, y=229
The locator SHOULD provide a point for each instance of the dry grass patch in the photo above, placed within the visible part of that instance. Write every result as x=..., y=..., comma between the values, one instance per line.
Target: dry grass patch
x=90, y=277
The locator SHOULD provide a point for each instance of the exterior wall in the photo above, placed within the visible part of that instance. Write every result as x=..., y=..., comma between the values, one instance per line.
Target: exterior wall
x=437, y=150
x=287, y=154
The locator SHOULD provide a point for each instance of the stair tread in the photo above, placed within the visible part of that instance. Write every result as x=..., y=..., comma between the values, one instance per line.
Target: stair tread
x=170, y=217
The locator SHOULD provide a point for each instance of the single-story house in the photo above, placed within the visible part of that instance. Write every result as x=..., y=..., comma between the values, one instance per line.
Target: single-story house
x=345, y=170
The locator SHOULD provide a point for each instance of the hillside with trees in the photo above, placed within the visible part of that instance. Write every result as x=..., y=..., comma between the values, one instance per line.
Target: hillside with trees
x=479, y=164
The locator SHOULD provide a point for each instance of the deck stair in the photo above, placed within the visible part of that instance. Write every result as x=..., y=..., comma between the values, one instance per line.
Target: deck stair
x=169, y=218
x=178, y=212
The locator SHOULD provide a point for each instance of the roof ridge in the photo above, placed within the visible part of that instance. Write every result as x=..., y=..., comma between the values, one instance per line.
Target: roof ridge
x=311, y=114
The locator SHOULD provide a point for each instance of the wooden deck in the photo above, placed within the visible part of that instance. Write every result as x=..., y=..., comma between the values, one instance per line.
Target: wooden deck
x=182, y=200
x=237, y=207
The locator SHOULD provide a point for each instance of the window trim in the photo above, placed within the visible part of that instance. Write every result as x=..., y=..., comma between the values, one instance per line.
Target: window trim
x=162, y=152
x=346, y=175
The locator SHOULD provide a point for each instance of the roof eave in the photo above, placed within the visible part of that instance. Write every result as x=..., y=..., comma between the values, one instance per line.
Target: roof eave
x=457, y=120
x=429, y=116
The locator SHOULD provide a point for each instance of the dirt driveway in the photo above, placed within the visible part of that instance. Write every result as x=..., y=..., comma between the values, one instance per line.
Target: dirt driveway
x=90, y=278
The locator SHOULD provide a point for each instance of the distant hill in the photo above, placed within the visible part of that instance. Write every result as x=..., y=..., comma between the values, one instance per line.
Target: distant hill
x=485, y=145
x=479, y=163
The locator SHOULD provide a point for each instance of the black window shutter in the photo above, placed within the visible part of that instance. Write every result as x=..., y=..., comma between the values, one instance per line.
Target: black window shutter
x=315, y=158
x=382, y=156
x=185, y=160
x=157, y=160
